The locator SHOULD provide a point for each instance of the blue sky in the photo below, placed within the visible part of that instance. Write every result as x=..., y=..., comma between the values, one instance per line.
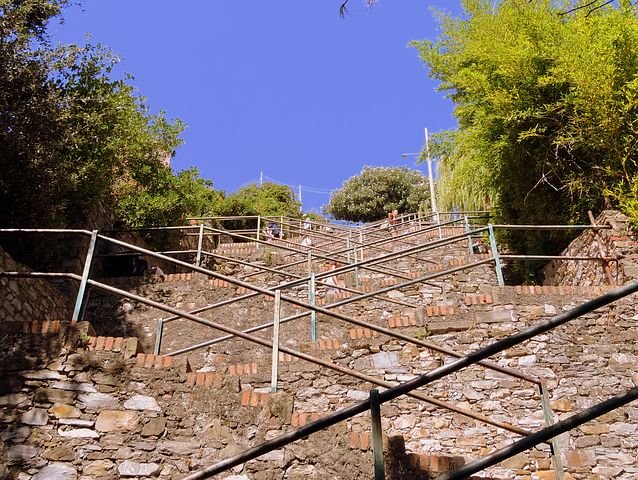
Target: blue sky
x=285, y=87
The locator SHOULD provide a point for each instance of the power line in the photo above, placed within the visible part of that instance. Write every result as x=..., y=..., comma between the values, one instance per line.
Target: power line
x=317, y=190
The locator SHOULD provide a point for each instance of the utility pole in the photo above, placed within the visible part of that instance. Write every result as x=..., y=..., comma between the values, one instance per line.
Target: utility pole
x=261, y=179
x=435, y=212
x=300, y=201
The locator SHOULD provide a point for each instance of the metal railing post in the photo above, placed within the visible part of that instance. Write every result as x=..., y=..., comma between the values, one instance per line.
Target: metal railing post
x=275, y=342
x=309, y=261
x=549, y=421
x=159, y=331
x=312, y=300
x=258, y=226
x=281, y=227
x=497, y=260
x=200, y=242
x=466, y=224
x=80, y=301
x=356, y=269
x=377, y=435
x=348, y=247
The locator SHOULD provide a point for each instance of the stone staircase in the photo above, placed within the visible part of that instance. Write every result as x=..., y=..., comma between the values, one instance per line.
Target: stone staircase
x=103, y=405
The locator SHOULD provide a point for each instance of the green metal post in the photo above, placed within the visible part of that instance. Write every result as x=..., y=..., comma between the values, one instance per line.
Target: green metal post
x=200, y=243
x=549, y=421
x=377, y=435
x=497, y=260
x=275, y=342
x=312, y=300
x=159, y=331
x=469, y=237
x=356, y=269
x=80, y=301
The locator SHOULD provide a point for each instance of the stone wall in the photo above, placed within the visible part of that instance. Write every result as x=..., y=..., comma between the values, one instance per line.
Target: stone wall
x=29, y=299
x=618, y=243
x=111, y=409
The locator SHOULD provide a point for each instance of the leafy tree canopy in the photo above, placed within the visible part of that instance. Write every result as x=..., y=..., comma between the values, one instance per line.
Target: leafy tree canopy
x=72, y=138
x=269, y=199
x=546, y=98
x=376, y=191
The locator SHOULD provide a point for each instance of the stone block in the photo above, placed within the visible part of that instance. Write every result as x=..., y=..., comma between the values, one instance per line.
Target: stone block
x=385, y=360
x=57, y=471
x=495, y=316
x=35, y=416
x=129, y=468
x=54, y=395
x=447, y=326
x=594, y=428
x=98, y=468
x=154, y=428
x=116, y=421
x=579, y=458
x=142, y=402
x=131, y=347
x=77, y=433
x=98, y=400
x=562, y=405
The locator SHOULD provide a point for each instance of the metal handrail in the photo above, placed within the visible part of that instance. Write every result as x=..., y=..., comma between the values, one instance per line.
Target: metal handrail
x=371, y=326
x=425, y=379
x=386, y=240
x=303, y=356
x=543, y=435
x=258, y=340
x=306, y=306
x=341, y=270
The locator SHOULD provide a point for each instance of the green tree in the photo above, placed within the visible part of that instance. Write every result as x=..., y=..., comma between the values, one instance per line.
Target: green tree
x=167, y=199
x=376, y=191
x=269, y=199
x=546, y=99
x=73, y=138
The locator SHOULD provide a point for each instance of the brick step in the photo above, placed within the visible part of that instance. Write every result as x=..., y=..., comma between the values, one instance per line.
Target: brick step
x=128, y=346
x=37, y=327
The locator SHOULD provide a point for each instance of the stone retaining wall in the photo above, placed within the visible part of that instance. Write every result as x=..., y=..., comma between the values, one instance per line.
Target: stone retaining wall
x=29, y=299
x=618, y=243
x=110, y=412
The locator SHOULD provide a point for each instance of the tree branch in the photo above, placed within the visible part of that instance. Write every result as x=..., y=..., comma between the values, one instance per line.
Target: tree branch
x=599, y=6
x=343, y=9
x=587, y=5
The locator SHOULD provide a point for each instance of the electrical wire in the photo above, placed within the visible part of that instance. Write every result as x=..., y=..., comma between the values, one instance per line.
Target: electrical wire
x=316, y=190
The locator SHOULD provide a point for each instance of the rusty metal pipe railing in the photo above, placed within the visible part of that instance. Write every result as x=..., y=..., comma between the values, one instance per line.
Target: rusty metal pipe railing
x=40, y=275
x=551, y=227
x=371, y=326
x=340, y=270
x=303, y=356
x=543, y=435
x=383, y=241
x=422, y=380
x=346, y=268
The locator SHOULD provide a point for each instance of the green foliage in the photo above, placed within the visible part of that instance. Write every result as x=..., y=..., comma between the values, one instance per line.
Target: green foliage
x=72, y=138
x=167, y=199
x=270, y=199
x=376, y=191
x=547, y=111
